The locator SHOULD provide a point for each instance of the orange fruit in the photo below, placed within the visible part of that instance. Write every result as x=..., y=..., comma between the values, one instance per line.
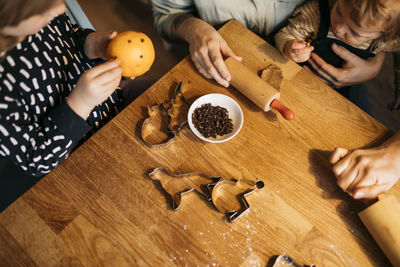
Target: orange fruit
x=135, y=51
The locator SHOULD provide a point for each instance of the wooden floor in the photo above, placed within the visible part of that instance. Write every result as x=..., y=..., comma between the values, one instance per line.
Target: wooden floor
x=136, y=15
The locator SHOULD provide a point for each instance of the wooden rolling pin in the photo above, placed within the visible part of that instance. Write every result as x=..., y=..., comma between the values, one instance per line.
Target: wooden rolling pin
x=256, y=89
x=382, y=220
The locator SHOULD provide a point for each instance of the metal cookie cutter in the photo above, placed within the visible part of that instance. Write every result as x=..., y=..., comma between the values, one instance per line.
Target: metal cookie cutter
x=178, y=184
x=154, y=129
x=229, y=196
x=165, y=121
x=178, y=112
x=286, y=261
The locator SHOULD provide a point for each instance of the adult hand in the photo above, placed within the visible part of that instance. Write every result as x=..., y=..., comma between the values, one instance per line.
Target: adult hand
x=366, y=173
x=355, y=70
x=297, y=50
x=94, y=87
x=96, y=44
x=207, y=48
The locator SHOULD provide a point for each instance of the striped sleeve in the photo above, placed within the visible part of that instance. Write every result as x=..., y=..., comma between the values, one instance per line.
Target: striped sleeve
x=166, y=11
x=303, y=25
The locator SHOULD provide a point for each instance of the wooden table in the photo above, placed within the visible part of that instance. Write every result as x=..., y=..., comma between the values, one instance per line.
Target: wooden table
x=100, y=208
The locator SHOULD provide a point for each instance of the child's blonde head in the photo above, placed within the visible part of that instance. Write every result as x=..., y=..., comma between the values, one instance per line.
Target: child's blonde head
x=13, y=12
x=382, y=15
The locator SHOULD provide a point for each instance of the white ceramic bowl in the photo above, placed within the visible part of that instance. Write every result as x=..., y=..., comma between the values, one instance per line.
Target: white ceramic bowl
x=234, y=112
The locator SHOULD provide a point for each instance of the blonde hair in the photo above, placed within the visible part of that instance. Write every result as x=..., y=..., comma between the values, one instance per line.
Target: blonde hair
x=13, y=12
x=383, y=15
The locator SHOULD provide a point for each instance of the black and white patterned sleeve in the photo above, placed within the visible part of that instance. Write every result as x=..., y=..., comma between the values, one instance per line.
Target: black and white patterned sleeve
x=80, y=35
x=37, y=146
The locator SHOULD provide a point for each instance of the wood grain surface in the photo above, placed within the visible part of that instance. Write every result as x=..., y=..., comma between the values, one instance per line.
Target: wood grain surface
x=100, y=208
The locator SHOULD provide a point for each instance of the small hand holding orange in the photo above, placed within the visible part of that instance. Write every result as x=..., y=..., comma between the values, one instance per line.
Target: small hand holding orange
x=297, y=50
x=94, y=86
x=96, y=44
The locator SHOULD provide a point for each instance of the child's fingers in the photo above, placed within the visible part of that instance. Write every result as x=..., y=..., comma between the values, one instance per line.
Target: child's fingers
x=298, y=44
x=304, y=51
x=99, y=69
x=110, y=75
x=302, y=55
x=110, y=85
x=112, y=34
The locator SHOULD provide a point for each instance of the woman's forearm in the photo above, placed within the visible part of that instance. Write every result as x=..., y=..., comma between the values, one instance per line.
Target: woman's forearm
x=186, y=26
x=166, y=12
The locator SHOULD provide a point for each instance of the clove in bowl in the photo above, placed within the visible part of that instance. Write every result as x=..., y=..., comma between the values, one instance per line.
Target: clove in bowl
x=215, y=118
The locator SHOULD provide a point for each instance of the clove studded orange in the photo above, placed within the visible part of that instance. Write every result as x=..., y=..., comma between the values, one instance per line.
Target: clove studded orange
x=135, y=52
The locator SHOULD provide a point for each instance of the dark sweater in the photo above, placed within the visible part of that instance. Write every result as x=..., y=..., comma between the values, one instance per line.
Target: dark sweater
x=38, y=130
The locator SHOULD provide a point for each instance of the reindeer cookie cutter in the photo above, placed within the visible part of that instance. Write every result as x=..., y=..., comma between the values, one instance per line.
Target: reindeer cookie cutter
x=227, y=196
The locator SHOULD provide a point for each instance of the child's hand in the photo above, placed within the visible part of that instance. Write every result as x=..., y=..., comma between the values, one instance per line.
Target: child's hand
x=94, y=87
x=96, y=44
x=297, y=50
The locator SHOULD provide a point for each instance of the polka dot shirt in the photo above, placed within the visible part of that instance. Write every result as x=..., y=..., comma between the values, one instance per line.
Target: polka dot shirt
x=38, y=130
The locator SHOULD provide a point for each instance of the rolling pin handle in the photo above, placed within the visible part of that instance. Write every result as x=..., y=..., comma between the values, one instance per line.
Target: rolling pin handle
x=285, y=112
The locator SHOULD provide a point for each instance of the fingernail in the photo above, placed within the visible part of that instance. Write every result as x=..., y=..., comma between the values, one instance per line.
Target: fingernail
x=359, y=194
x=334, y=45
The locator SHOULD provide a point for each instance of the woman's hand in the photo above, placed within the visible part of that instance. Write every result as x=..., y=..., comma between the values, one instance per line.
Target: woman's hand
x=355, y=70
x=94, y=87
x=297, y=50
x=96, y=44
x=207, y=49
x=366, y=173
